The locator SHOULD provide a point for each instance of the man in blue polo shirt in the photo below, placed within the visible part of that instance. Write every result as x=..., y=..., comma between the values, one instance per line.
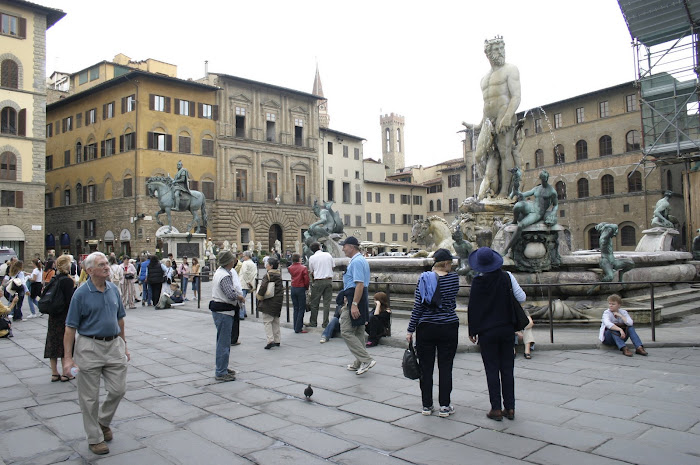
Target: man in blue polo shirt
x=354, y=317
x=97, y=314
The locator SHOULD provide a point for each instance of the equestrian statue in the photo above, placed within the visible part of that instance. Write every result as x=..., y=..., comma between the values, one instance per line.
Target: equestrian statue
x=175, y=195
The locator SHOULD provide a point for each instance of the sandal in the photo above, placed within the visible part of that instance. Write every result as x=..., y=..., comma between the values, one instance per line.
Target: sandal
x=65, y=379
x=55, y=378
x=527, y=356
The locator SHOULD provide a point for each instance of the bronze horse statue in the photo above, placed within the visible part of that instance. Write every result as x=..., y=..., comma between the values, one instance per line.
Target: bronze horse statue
x=161, y=188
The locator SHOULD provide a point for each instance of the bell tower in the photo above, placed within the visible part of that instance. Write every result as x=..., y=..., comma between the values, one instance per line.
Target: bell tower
x=393, y=143
x=323, y=116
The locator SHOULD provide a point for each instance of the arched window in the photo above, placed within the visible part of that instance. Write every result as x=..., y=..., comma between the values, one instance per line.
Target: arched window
x=633, y=141
x=607, y=185
x=594, y=238
x=561, y=190
x=9, y=74
x=430, y=206
x=605, y=146
x=78, y=152
x=439, y=205
x=9, y=121
x=388, y=140
x=628, y=236
x=581, y=150
x=8, y=166
x=398, y=140
x=559, y=157
x=78, y=193
x=634, y=182
x=539, y=158
x=582, y=185
x=669, y=180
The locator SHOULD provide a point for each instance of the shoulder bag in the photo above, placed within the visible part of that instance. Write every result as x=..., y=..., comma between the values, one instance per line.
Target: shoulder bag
x=520, y=319
x=411, y=369
x=269, y=292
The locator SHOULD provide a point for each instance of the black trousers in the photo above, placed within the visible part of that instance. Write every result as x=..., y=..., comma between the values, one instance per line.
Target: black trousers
x=156, y=288
x=431, y=337
x=236, y=327
x=375, y=329
x=497, y=354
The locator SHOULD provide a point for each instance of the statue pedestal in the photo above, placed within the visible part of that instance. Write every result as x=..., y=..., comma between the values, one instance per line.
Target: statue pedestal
x=540, y=247
x=184, y=245
x=656, y=240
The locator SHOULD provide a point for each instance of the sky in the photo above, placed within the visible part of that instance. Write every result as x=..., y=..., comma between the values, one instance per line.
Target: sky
x=421, y=61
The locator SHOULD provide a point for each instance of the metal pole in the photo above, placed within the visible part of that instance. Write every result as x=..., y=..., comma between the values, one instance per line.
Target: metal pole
x=199, y=290
x=286, y=293
x=653, y=316
x=551, y=314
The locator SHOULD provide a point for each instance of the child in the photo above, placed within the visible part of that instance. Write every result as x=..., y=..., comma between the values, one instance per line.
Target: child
x=167, y=300
x=617, y=326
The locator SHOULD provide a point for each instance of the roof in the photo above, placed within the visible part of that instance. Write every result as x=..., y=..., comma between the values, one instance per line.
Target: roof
x=432, y=181
x=654, y=22
x=577, y=97
x=121, y=79
x=53, y=15
x=394, y=183
x=265, y=84
x=342, y=133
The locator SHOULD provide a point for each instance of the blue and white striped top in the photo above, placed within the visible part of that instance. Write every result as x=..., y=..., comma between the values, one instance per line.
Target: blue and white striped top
x=449, y=285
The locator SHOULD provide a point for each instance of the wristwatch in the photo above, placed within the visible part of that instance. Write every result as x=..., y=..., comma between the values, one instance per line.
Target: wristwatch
x=354, y=303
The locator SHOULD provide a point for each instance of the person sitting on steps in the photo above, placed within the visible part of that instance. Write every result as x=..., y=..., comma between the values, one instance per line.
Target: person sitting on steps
x=617, y=326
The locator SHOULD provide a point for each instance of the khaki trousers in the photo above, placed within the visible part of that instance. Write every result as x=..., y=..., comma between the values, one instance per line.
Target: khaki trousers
x=354, y=337
x=272, y=328
x=99, y=359
x=320, y=288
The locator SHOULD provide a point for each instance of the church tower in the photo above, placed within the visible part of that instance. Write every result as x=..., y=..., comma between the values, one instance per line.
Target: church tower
x=323, y=116
x=393, y=142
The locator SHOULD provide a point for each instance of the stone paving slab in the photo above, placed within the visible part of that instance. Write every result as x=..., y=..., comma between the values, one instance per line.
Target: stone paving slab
x=377, y=434
x=312, y=440
x=643, y=453
x=375, y=410
x=230, y=435
x=183, y=447
x=367, y=456
x=442, y=452
x=557, y=455
x=443, y=428
x=501, y=443
x=579, y=440
x=285, y=455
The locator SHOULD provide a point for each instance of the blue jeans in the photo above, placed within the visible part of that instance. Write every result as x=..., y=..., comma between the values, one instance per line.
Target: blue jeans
x=242, y=314
x=224, y=324
x=333, y=328
x=33, y=304
x=146, y=297
x=299, y=301
x=17, y=313
x=613, y=338
x=184, y=286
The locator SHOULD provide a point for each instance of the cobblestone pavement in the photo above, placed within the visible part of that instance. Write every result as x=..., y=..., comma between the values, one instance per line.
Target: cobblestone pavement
x=577, y=406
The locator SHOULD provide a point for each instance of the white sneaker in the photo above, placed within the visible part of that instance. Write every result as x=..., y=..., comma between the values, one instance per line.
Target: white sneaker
x=30, y=316
x=366, y=366
x=323, y=340
x=353, y=367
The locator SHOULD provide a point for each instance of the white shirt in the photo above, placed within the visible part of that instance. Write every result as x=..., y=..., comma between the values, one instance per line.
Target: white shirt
x=321, y=265
x=249, y=271
x=609, y=320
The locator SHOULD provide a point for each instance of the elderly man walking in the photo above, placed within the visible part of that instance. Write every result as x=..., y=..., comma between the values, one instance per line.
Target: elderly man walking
x=321, y=267
x=96, y=313
x=354, y=317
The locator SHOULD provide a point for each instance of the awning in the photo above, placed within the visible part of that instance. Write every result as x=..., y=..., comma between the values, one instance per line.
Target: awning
x=125, y=235
x=109, y=236
x=9, y=232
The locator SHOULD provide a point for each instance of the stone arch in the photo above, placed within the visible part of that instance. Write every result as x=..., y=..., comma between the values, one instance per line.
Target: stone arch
x=11, y=104
x=206, y=132
x=108, y=188
x=184, y=129
x=627, y=238
x=128, y=127
x=20, y=68
x=590, y=237
x=159, y=126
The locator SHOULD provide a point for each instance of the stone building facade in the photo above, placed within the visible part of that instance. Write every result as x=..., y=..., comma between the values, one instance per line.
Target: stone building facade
x=23, y=28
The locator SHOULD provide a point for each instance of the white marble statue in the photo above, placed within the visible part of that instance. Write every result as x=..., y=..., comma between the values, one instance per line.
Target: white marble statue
x=210, y=249
x=297, y=246
x=259, y=247
x=227, y=245
x=278, y=246
x=234, y=247
x=251, y=246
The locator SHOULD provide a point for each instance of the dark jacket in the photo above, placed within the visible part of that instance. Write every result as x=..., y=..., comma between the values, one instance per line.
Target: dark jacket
x=273, y=305
x=155, y=273
x=489, y=302
x=362, y=305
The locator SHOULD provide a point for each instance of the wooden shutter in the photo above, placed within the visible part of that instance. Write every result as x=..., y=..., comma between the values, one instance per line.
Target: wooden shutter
x=23, y=30
x=200, y=109
x=167, y=104
x=194, y=185
x=22, y=122
x=150, y=142
x=176, y=110
x=123, y=104
x=57, y=127
x=151, y=101
x=191, y=104
x=102, y=148
x=169, y=142
x=134, y=141
x=121, y=143
x=215, y=114
x=19, y=199
x=104, y=111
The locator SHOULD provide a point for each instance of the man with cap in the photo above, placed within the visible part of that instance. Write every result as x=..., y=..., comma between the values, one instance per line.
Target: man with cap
x=226, y=296
x=354, y=316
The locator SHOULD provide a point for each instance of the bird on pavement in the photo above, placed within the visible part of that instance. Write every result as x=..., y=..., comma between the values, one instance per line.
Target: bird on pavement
x=308, y=392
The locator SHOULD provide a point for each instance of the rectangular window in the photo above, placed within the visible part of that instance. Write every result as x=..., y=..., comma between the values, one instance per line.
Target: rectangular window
x=405, y=199
x=271, y=127
x=49, y=162
x=183, y=107
x=127, y=142
x=208, y=190
x=300, y=190
x=159, y=141
x=158, y=102
x=11, y=199
x=90, y=116
x=331, y=189
x=580, y=115
x=78, y=120
x=245, y=237
x=604, y=109
x=83, y=77
x=108, y=110
x=391, y=198
x=90, y=151
x=67, y=124
x=66, y=197
x=94, y=73
x=538, y=125
x=207, y=112
x=417, y=200
x=346, y=192
x=631, y=102
x=377, y=197
x=378, y=218
x=207, y=146
x=49, y=130
x=357, y=175
x=91, y=193
x=357, y=153
x=108, y=147
x=557, y=120
x=184, y=144
x=454, y=205
x=128, y=103
x=91, y=228
x=369, y=218
x=405, y=237
x=453, y=180
x=369, y=235
x=298, y=132
x=128, y=187
x=240, y=122
x=345, y=151
x=382, y=237
x=241, y=185
x=66, y=158
x=346, y=220
x=358, y=197
x=330, y=148
x=394, y=237
x=358, y=220
x=271, y=187
x=369, y=196
x=12, y=26
x=392, y=218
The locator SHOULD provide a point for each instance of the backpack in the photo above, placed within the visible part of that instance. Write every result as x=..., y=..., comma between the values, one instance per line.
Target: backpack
x=52, y=301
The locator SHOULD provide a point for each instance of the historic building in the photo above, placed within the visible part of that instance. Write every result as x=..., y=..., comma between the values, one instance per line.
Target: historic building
x=23, y=28
x=267, y=162
x=106, y=139
x=393, y=147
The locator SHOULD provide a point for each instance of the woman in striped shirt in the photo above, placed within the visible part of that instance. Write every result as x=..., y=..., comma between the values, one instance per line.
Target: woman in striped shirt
x=435, y=320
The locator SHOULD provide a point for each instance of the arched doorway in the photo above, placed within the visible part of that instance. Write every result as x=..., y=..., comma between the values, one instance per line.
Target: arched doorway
x=275, y=234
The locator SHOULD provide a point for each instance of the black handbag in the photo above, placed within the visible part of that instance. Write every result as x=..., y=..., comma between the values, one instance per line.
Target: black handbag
x=411, y=368
x=520, y=319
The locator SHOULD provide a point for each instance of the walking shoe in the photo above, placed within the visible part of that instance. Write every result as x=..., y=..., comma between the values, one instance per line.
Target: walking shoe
x=277, y=344
x=99, y=449
x=428, y=410
x=230, y=371
x=495, y=415
x=226, y=378
x=508, y=413
x=269, y=345
x=626, y=352
x=323, y=340
x=446, y=411
x=640, y=350
x=106, y=432
x=30, y=316
x=366, y=366
x=353, y=367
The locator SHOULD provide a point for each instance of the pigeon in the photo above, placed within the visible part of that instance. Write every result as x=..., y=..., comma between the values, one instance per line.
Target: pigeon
x=308, y=392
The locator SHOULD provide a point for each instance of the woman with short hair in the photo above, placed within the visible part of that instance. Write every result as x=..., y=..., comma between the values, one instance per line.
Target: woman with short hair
x=271, y=308
x=53, y=350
